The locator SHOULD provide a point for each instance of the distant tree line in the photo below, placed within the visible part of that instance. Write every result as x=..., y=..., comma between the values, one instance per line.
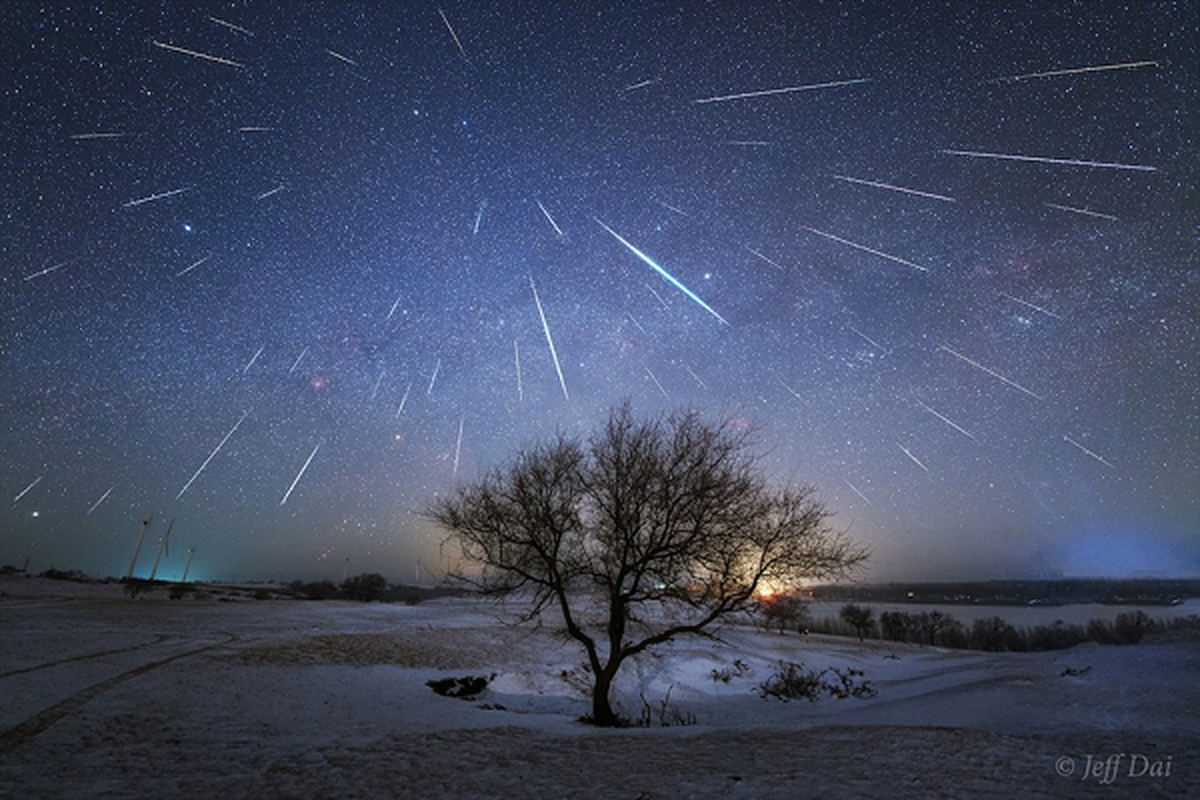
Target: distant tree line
x=935, y=628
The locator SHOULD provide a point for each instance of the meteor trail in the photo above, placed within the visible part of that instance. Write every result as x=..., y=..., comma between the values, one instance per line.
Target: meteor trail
x=948, y=421
x=856, y=491
x=668, y=276
x=1084, y=211
x=517, y=359
x=549, y=339
x=25, y=491
x=657, y=296
x=341, y=57
x=915, y=460
x=695, y=377
x=785, y=90
x=1096, y=456
x=656, y=383
x=764, y=258
x=299, y=474
x=641, y=85
x=153, y=197
x=458, y=444
x=1030, y=305
x=403, y=400
x=1075, y=71
x=296, y=363
x=1042, y=160
x=231, y=26
x=454, y=35
x=394, y=305
x=549, y=218
x=250, y=363
x=378, y=381
x=196, y=54
x=669, y=207
x=746, y=143
x=991, y=372
x=270, y=192
x=192, y=267
x=869, y=339
x=864, y=248
x=211, y=455
x=48, y=270
x=791, y=391
x=892, y=188
x=96, y=504
x=478, y=218
x=433, y=378
x=254, y=129
x=85, y=136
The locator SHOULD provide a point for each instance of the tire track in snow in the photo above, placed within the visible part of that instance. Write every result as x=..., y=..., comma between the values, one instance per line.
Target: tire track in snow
x=19, y=735
x=159, y=639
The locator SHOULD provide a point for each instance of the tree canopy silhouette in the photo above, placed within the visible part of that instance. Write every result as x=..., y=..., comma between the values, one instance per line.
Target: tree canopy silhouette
x=649, y=530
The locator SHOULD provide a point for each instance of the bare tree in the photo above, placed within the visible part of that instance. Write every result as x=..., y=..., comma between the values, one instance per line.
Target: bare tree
x=649, y=531
x=861, y=618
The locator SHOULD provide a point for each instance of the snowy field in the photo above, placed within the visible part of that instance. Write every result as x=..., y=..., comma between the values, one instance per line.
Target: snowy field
x=108, y=697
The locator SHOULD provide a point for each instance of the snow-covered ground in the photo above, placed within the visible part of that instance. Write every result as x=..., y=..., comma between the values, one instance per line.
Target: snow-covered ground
x=101, y=696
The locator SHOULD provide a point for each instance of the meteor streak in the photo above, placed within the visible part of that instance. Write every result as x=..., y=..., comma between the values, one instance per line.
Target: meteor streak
x=85, y=136
x=892, y=188
x=1030, y=305
x=790, y=390
x=341, y=57
x=254, y=129
x=299, y=474
x=433, y=378
x=786, y=90
x=250, y=363
x=403, y=400
x=669, y=207
x=668, y=276
x=270, y=192
x=869, y=339
x=856, y=491
x=915, y=460
x=1096, y=456
x=991, y=372
x=1084, y=211
x=948, y=421
x=764, y=258
x=1075, y=71
x=192, y=267
x=695, y=377
x=549, y=218
x=196, y=54
x=96, y=504
x=517, y=359
x=641, y=85
x=549, y=338
x=656, y=383
x=394, y=306
x=1067, y=162
x=864, y=248
x=296, y=363
x=458, y=444
x=231, y=26
x=378, y=381
x=153, y=197
x=25, y=491
x=48, y=270
x=454, y=35
x=211, y=455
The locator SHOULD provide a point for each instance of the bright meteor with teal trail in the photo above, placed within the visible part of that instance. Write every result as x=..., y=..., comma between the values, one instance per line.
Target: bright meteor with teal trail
x=666, y=275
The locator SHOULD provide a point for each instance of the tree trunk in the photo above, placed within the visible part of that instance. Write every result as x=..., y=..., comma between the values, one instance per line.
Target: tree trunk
x=602, y=712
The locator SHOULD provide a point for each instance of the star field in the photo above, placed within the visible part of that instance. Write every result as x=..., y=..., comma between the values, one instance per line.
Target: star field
x=268, y=270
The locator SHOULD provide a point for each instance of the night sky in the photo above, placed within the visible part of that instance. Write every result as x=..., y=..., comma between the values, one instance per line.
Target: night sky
x=941, y=257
